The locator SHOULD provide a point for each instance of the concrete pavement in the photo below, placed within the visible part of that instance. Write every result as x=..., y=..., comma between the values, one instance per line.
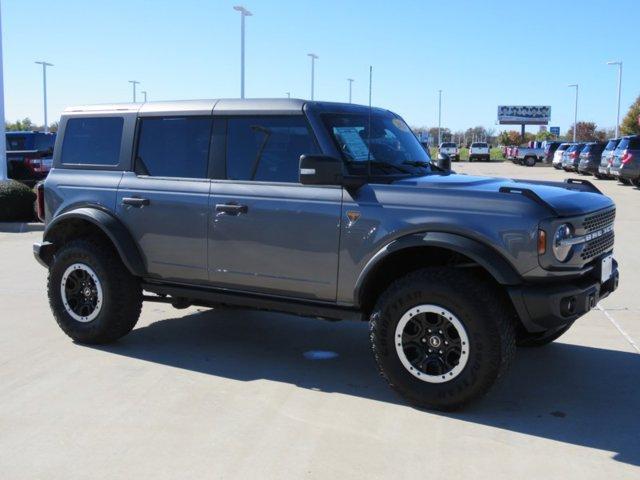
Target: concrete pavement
x=200, y=393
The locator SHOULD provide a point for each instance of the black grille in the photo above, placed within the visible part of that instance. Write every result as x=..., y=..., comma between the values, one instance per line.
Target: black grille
x=598, y=246
x=599, y=220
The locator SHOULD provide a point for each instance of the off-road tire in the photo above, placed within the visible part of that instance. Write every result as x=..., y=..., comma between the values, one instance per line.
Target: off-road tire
x=488, y=323
x=540, y=339
x=121, y=291
x=530, y=162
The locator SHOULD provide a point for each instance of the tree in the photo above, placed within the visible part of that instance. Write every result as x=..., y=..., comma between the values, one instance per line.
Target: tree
x=631, y=121
x=585, y=132
x=510, y=137
x=20, y=125
x=543, y=135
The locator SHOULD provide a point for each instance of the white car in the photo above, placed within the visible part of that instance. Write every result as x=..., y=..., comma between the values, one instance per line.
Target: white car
x=450, y=149
x=479, y=151
x=557, y=156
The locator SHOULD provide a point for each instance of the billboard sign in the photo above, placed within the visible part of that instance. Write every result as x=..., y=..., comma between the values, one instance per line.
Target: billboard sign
x=524, y=114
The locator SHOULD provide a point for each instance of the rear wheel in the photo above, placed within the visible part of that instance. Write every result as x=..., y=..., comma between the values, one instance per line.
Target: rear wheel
x=93, y=296
x=440, y=339
x=530, y=161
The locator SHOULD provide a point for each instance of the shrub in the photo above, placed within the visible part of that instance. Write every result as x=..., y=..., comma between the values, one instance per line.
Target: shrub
x=16, y=201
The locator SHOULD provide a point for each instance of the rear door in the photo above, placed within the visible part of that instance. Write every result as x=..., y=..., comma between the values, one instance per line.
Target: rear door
x=164, y=202
x=269, y=233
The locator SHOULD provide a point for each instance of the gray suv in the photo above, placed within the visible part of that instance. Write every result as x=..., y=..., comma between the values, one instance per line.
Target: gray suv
x=323, y=210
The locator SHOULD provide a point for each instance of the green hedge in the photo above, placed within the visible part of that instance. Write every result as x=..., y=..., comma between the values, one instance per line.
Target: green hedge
x=16, y=202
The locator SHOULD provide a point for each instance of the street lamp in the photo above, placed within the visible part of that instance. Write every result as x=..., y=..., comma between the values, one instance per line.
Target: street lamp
x=619, y=64
x=575, y=112
x=243, y=13
x=439, y=116
x=134, y=83
x=314, y=57
x=144, y=92
x=288, y=94
x=44, y=87
x=3, y=147
x=350, y=80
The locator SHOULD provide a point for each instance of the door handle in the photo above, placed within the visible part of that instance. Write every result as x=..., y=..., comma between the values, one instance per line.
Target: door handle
x=135, y=201
x=231, y=208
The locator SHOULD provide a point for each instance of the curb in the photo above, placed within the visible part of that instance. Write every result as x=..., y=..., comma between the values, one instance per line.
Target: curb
x=21, y=227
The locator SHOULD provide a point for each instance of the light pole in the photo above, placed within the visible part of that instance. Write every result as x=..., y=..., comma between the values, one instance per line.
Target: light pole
x=44, y=88
x=144, y=92
x=243, y=13
x=575, y=112
x=439, y=116
x=3, y=138
x=619, y=64
x=314, y=57
x=350, y=80
x=134, y=83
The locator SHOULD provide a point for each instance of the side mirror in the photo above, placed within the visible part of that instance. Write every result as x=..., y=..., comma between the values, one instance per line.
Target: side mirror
x=320, y=170
x=444, y=162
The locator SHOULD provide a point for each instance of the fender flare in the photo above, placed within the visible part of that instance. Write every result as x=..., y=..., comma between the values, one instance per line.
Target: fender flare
x=111, y=227
x=484, y=255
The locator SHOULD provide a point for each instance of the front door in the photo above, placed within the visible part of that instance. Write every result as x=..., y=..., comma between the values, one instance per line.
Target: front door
x=165, y=202
x=268, y=233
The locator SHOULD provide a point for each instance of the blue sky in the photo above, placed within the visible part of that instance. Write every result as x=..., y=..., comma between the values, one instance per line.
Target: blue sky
x=481, y=54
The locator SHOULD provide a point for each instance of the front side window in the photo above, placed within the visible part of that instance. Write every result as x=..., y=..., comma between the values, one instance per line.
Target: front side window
x=174, y=147
x=380, y=143
x=267, y=149
x=92, y=141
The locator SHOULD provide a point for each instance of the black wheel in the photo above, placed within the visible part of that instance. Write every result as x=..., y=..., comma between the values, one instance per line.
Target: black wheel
x=541, y=339
x=598, y=176
x=440, y=339
x=624, y=181
x=93, y=296
x=530, y=162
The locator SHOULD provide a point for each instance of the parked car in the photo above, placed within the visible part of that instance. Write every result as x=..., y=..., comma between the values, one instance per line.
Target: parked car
x=29, y=155
x=590, y=157
x=606, y=159
x=450, y=149
x=558, y=155
x=479, y=151
x=321, y=210
x=549, y=150
x=528, y=156
x=626, y=160
x=571, y=157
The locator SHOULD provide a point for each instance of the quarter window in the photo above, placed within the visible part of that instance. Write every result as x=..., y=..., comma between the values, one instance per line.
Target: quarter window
x=174, y=147
x=267, y=149
x=92, y=141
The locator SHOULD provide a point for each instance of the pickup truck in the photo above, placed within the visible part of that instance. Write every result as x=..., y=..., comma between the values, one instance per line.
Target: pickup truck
x=29, y=155
x=323, y=210
x=528, y=156
x=479, y=151
x=451, y=150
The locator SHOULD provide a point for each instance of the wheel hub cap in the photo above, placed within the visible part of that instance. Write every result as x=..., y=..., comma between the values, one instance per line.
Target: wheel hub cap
x=81, y=292
x=432, y=343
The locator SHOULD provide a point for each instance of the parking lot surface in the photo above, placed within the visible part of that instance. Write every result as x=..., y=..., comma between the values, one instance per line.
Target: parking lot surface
x=202, y=393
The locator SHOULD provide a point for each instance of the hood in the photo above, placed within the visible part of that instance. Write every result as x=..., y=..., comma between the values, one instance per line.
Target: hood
x=566, y=199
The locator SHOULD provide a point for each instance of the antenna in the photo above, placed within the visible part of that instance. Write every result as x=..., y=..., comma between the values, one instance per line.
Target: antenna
x=369, y=128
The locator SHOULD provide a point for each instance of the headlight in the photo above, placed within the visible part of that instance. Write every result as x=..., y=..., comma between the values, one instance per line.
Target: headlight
x=562, y=249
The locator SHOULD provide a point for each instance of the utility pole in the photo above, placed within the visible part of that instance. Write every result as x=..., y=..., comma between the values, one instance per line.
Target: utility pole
x=3, y=137
x=350, y=80
x=44, y=88
x=314, y=57
x=134, y=83
x=243, y=13
x=288, y=94
x=575, y=112
x=619, y=64
x=144, y=92
x=439, y=117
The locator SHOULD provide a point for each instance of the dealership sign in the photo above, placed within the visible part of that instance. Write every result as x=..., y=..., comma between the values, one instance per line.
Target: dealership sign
x=524, y=114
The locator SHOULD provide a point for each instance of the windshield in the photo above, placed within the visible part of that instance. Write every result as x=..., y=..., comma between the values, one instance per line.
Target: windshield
x=382, y=140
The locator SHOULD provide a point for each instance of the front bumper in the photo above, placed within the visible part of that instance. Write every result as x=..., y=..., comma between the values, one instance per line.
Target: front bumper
x=548, y=306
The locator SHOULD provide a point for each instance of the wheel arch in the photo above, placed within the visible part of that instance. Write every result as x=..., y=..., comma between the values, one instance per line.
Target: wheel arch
x=425, y=249
x=89, y=220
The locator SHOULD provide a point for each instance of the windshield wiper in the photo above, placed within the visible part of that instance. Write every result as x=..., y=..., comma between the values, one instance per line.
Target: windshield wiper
x=378, y=163
x=416, y=163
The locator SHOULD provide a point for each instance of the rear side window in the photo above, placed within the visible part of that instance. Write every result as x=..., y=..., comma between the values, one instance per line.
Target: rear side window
x=15, y=142
x=267, y=149
x=624, y=143
x=611, y=145
x=563, y=147
x=174, y=147
x=92, y=141
x=44, y=142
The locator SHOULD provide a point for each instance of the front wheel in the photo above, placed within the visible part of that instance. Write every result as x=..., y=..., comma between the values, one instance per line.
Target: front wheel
x=440, y=339
x=92, y=295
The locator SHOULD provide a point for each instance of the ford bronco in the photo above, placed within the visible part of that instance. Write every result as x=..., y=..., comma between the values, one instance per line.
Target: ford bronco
x=321, y=210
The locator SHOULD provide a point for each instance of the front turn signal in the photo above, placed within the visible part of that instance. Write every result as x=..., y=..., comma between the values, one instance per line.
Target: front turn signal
x=542, y=242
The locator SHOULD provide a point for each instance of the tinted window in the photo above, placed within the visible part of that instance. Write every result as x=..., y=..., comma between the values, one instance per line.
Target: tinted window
x=16, y=142
x=624, y=143
x=174, y=147
x=448, y=145
x=479, y=145
x=267, y=149
x=92, y=141
x=44, y=142
x=563, y=147
x=611, y=145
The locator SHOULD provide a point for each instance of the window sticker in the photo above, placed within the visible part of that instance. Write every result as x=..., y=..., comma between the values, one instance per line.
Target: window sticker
x=352, y=143
x=400, y=125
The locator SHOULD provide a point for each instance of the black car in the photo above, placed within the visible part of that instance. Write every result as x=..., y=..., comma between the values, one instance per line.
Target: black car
x=549, y=149
x=590, y=158
x=626, y=161
x=606, y=159
x=29, y=155
x=571, y=157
